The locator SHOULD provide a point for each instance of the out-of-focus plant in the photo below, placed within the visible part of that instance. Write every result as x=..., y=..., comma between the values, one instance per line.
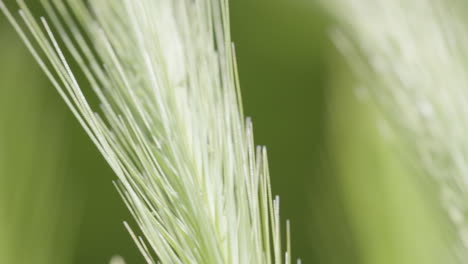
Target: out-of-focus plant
x=412, y=57
x=171, y=125
x=392, y=214
x=37, y=216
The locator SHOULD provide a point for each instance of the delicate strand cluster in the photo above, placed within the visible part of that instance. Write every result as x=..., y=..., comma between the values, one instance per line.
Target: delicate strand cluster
x=171, y=126
x=413, y=56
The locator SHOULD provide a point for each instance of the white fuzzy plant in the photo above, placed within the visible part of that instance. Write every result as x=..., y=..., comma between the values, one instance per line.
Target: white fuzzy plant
x=413, y=57
x=171, y=123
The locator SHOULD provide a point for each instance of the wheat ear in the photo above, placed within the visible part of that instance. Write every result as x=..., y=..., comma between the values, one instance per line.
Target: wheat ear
x=171, y=124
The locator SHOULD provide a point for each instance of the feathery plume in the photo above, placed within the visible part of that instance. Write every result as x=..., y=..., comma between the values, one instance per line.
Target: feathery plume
x=171, y=123
x=412, y=56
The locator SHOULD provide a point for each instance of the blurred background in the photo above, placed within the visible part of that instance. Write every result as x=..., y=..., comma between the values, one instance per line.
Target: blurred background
x=349, y=197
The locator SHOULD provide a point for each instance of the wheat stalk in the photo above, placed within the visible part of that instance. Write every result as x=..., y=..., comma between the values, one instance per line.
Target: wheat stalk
x=171, y=123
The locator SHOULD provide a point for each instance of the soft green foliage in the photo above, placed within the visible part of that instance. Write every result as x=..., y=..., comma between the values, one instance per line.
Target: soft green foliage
x=38, y=215
x=412, y=55
x=393, y=214
x=172, y=127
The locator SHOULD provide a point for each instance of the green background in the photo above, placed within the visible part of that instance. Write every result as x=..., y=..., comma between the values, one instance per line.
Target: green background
x=341, y=184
